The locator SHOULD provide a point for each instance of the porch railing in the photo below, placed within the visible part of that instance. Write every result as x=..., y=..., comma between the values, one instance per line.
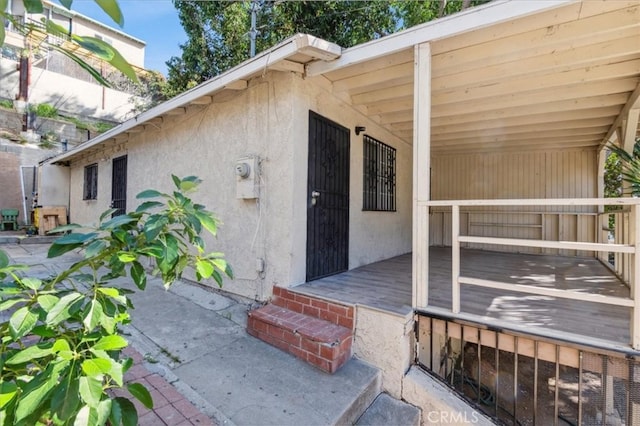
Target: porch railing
x=626, y=249
x=523, y=379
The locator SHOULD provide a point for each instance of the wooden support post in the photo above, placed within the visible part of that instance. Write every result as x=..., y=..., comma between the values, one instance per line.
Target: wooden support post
x=455, y=259
x=635, y=275
x=601, y=234
x=421, y=173
x=626, y=239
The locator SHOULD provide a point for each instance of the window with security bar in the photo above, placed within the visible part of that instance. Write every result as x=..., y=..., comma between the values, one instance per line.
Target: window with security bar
x=90, y=182
x=379, y=189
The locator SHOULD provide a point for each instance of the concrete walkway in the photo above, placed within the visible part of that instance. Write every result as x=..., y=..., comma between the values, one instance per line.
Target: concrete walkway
x=195, y=340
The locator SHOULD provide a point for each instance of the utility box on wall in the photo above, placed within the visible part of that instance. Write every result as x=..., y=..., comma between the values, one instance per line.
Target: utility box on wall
x=247, y=177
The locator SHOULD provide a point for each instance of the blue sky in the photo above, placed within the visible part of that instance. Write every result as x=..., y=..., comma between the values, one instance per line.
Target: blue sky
x=154, y=21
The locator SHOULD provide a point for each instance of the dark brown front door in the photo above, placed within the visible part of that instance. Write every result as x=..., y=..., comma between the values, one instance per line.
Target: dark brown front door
x=119, y=185
x=327, y=198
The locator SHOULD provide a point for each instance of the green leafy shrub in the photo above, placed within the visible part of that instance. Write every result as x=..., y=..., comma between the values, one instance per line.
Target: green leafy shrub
x=60, y=352
x=79, y=123
x=103, y=127
x=6, y=103
x=44, y=110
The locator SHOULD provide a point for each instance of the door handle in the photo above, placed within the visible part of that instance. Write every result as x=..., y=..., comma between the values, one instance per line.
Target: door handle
x=314, y=197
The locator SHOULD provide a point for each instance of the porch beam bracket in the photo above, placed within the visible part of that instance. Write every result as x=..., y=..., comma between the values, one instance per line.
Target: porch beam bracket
x=630, y=129
x=287, y=66
x=632, y=103
x=205, y=100
x=177, y=111
x=237, y=85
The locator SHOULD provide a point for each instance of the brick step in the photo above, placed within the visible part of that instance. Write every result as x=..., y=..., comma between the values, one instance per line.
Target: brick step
x=319, y=342
x=305, y=304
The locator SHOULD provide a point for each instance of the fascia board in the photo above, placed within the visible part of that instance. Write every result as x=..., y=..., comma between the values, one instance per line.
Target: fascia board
x=473, y=19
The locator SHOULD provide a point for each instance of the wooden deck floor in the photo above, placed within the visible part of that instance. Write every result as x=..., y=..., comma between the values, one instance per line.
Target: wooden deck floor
x=386, y=285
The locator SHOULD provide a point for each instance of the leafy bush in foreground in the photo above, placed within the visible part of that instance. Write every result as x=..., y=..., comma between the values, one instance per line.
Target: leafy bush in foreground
x=60, y=352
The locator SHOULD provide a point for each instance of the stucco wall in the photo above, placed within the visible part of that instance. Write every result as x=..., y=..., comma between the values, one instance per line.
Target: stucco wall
x=268, y=120
x=53, y=186
x=386, y=341
x=131, y=50
x=206, y=142
x=373, y=236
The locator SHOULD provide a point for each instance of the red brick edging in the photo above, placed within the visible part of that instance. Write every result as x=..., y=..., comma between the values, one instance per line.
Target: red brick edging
x=170, y=407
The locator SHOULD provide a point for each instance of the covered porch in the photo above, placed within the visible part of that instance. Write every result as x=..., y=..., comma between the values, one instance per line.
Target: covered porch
x=386, y=286
x=509, y=108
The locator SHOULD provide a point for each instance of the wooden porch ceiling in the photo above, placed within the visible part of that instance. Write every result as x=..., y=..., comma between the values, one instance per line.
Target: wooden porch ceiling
x=554, y=80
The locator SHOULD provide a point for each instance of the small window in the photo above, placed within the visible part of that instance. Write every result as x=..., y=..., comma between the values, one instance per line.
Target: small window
x=90, y=182
x=379, y=191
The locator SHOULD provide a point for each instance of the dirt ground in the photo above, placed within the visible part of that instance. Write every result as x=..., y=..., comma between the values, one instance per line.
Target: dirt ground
x=515, y=402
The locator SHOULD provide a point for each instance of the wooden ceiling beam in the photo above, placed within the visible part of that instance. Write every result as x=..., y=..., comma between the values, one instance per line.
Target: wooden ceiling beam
x=404, y=103
x=581, y=136
x=619, y=48
x=572, y=96
x=511, y=148
x=494, y=136
x=517, y=26
x=492, y=121
x=529, y=84
x=515, y=140
x=471, y=129
x=385, y=94
x=545, y=39
x=375, y=78
x=394, y=117
x=518, y=116
x=562, y=143
x=373, y=65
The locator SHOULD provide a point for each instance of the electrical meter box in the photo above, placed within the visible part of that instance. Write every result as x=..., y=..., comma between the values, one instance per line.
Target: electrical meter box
x=247, y=177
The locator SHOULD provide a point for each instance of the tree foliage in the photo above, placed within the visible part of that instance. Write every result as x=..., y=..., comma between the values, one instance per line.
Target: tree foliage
x=61, y=346
x=622, y=166
x=218, y=31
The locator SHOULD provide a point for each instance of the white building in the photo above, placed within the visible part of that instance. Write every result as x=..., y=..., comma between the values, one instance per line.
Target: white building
x=56, y=80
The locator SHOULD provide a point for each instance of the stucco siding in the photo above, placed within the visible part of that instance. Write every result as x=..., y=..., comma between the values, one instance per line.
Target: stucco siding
x=206, y=142
x=269, y=120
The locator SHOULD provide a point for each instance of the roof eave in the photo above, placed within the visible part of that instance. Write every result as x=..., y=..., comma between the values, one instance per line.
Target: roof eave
x=472, y=19
x=299, y=43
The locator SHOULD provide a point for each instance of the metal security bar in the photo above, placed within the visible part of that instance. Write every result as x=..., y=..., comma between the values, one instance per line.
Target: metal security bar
x=379, y=182
x=90, y=190
x=528, y=380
